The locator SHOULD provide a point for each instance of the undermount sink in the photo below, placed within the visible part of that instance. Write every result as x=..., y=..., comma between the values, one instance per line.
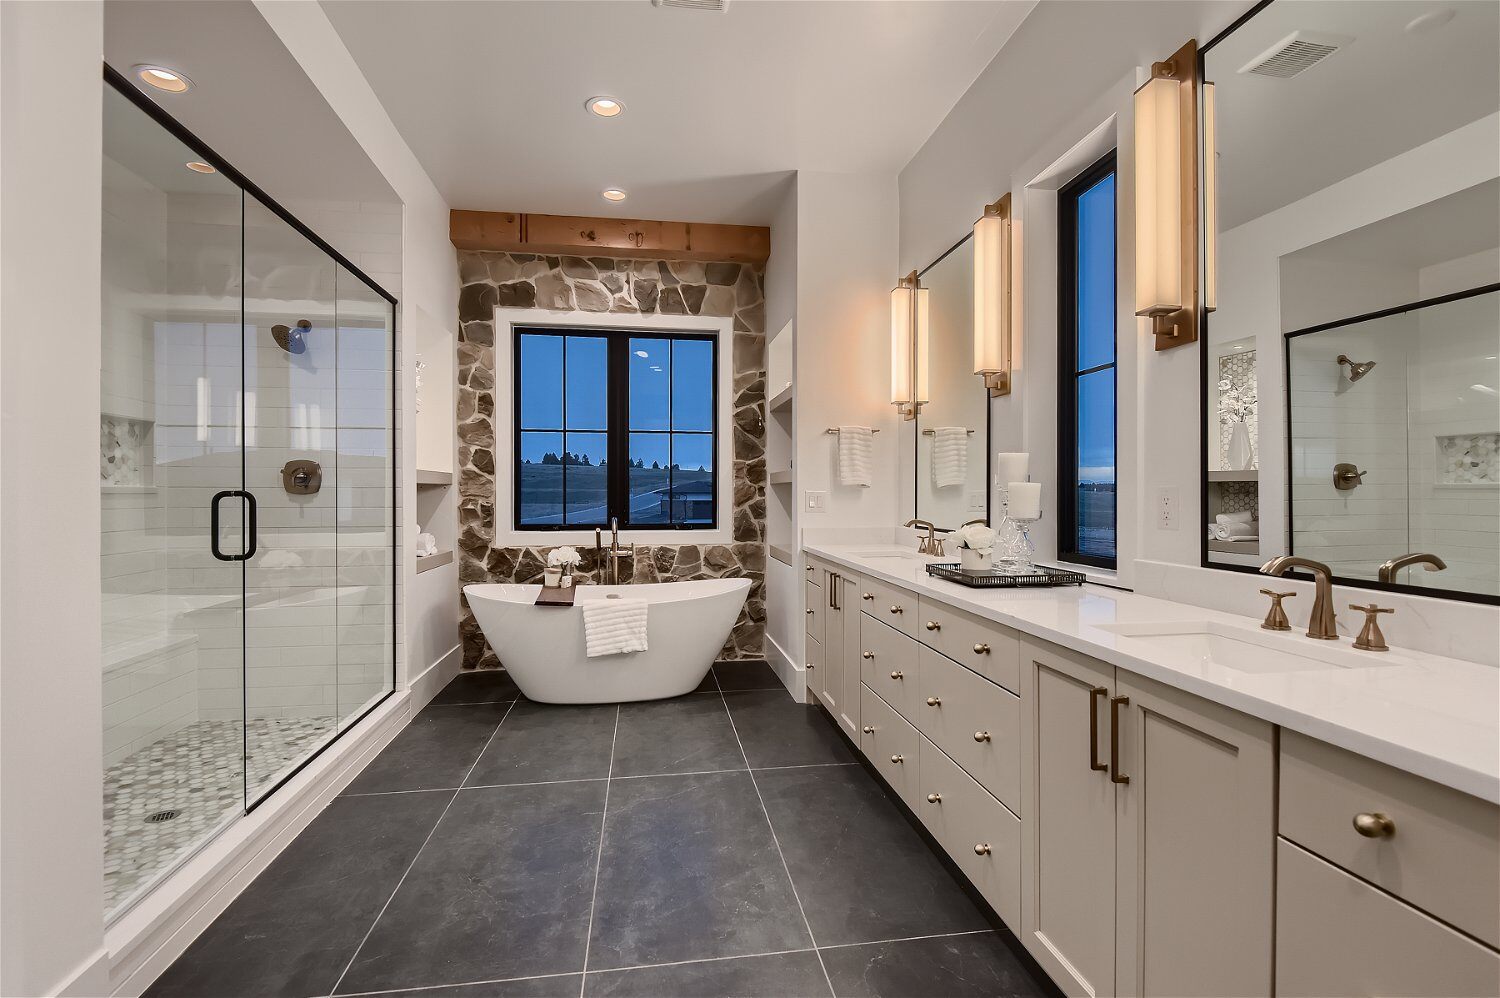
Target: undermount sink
x=1211, y=642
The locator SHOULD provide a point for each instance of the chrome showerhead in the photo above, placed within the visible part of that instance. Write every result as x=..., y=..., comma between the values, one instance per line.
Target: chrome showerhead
x=1356, y=371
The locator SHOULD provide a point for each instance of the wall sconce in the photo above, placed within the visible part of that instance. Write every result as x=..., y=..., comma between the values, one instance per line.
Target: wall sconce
x=1166, y=198
x=1210, y=202
x=992, y=297
x=909, y=346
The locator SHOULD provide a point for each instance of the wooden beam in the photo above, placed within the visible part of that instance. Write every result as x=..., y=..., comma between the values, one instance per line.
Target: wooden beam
x=629, y=238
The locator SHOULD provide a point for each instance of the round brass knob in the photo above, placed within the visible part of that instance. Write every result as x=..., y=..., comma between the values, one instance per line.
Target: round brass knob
x=808, y=611
x=981, y=736
x=869, y=654
x=897, y=674
x=898, y=759
x=982, y=849
x=1374, y=825
x=868, y=596
x=933, y=625
x=981, y=649
x=934, y=798
x=934, y=701
x=869, y=730
x=811, y=666
x=897, y=609
x=809, y=568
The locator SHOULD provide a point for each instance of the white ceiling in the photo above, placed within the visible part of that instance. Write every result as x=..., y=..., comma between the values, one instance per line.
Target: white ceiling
x=720, y=107
x=1384, y=93
x=1449, y=228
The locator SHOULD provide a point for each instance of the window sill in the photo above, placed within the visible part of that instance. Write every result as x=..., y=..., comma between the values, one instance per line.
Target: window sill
x=585, y=537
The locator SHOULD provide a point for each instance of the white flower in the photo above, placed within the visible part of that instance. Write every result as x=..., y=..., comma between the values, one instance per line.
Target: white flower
x=975, y=537
x=564, y=557
x=1224, y=385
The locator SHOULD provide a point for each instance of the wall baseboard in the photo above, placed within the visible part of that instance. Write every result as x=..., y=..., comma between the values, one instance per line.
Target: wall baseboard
x=792, y=677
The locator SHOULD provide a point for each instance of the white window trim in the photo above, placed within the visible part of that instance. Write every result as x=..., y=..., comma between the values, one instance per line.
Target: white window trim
x=506, y=321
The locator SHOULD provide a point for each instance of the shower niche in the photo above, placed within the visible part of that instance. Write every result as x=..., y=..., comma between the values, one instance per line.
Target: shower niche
x=247, y=623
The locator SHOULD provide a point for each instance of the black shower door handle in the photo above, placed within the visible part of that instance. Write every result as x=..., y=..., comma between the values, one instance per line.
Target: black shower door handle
x=213, y=529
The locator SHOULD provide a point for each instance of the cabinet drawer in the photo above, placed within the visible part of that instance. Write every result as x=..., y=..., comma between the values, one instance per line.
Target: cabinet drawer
x=893, y=606
x=975, y=829
x=1442, y=855
x=812, y=656
x=989, y=649
x=890, y=743
x=1337, y=935
x=974, y=721
x=813, y=594
x=888, y=664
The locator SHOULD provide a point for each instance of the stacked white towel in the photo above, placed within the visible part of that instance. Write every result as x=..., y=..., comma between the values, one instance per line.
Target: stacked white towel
x=1234, y=527
x=614, y=626
x=856, y=455
x=950, y=456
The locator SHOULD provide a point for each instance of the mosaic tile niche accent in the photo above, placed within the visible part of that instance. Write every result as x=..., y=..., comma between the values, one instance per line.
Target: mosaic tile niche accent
x=1469, y=459
x=594, y=285
x=123, y=450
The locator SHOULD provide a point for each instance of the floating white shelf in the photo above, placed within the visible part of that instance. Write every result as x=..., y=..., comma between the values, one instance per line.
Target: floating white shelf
x=432, y=561
x=781, y=554
x=1249, y=475
x=1249, y=546
x=434, y=477
x=782, y=400
x=781, y=477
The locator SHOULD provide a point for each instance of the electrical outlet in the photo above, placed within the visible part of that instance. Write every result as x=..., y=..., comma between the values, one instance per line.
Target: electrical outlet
x=1166, y=508
x=976, y=502
x=817, y=501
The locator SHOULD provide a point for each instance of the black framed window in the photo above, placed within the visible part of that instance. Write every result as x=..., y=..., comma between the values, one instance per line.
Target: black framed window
x=1087, y=515
x=615, y=425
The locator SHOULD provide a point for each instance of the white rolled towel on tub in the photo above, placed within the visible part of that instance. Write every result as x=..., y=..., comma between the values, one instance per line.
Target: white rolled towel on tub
x=856, y=455
x=614, y=626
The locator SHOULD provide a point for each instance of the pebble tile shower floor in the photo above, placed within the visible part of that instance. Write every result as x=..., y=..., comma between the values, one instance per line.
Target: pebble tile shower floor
x=198, y=771
x=721, y=843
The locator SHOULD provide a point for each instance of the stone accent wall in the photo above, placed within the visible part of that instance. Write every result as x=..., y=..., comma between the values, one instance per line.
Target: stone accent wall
x=594, y=285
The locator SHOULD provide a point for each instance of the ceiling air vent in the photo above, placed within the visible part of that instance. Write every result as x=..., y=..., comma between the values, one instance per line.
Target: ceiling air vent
x=712, y=6
x=1297, y=52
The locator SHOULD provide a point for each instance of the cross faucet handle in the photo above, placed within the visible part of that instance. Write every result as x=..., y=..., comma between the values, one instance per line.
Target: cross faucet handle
x=1370, y=638
x=1276, y=616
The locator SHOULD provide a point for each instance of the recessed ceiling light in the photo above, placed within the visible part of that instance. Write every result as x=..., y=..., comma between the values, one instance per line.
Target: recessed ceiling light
x=605, y=107
x=200, y=167
x=612, y=194
x=163, y=78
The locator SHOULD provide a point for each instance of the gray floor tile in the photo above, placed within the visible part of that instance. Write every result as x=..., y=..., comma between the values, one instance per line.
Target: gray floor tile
x=687, y=734
x=689, y=871
x=778, y=731
x=479, y=686
x=862, y=872
x=434, y=751
x=973, y=966
x=782, y=975
x=747, y=676
x=560, y=986
x=293, y=930
x=502, y=890
x=540, y=743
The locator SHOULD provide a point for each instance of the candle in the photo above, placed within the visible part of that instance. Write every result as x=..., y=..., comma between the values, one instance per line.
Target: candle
x=1010, y=467
x=1026, y=500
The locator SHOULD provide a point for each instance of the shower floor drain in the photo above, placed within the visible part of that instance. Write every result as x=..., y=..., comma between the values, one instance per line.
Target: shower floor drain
x=160, y=816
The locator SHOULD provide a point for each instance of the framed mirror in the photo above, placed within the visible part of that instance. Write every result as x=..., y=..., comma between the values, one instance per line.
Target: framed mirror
x=944, y=463
x=1350, y=382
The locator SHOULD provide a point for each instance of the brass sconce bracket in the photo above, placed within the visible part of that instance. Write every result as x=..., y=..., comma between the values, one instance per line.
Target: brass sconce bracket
x=997, y=384
x=1180, y=326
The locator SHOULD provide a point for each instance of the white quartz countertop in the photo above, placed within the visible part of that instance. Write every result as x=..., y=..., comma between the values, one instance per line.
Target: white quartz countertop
x=1436, y=717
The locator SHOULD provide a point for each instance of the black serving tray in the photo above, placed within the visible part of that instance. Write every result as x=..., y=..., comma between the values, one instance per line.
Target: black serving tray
x=992, y=578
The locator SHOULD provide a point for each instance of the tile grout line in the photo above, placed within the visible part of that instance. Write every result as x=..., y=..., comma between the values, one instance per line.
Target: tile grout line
x=776, y=840
x=588, y=937
x=418, y=855
x=601, y=779
x=675, y=963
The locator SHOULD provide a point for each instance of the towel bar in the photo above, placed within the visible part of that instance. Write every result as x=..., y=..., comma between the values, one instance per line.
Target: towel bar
x=835, y=429
x=933, y=433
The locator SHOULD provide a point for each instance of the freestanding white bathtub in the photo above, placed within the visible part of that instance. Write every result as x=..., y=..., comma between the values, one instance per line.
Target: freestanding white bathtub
x=543, y=647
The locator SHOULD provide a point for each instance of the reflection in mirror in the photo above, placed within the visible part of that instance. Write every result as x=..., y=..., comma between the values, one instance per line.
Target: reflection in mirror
x=1357, y=207
x=944, y=455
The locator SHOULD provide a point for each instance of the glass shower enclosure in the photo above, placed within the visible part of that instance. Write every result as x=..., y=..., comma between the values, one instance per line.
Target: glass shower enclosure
x=247, y=478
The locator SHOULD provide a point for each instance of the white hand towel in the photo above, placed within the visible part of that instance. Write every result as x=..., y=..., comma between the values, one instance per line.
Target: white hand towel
x=1243, y=516
x=856, y=455
x=614, y=626
x=1234, y=531
x=950, y=456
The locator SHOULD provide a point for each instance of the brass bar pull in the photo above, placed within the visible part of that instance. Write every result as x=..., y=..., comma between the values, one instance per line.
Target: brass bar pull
x=1115, y=703
x=833, y=590
x=1094, y=695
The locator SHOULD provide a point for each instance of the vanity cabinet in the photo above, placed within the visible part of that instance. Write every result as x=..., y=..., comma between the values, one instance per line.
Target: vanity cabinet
x=1148, y=863
x=833, y=612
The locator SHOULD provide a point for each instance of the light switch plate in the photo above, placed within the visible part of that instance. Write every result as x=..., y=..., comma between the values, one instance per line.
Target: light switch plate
x=817, y=500
x=1166, y=508
x=976, y=502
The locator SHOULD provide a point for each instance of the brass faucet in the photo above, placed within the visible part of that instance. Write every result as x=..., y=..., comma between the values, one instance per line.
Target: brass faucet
x=1322, y=623
x=932, y=544
x=615, y=552
x=1392, y=568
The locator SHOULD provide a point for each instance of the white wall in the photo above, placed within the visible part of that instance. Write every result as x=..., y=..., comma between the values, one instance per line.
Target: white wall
x=51, y=835
x=784, y=617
